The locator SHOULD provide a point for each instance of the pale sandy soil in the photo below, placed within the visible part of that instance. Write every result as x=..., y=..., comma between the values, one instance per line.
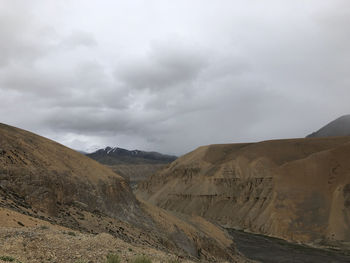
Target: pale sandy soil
x=39, y=241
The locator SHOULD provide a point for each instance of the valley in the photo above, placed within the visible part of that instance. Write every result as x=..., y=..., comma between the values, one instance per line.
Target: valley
x=136, y=173
x=271, y=201
x=174, y=131
x=43, y=180
x=133, y=165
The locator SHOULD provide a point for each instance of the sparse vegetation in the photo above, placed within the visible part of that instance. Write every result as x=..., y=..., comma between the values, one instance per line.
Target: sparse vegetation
x=9, y=259
x=113, y=258
x=141, y=259
x=71, y=233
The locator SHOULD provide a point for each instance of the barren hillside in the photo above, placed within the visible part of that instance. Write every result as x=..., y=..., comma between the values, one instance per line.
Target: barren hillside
x=44, y=180
x=295, y=189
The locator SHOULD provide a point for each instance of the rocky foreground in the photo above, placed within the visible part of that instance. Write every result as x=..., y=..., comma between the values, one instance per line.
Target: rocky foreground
x=28, y=239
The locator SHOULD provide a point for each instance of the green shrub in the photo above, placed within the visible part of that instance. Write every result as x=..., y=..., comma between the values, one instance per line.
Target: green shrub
x=112, y=258
x=7, y=258
x=142, y=259
x=174, y=261
x=71, y=233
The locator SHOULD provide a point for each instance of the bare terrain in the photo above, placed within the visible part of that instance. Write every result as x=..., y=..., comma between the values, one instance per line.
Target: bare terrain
x=43, y=180
x=296, y=189
x=39, y=241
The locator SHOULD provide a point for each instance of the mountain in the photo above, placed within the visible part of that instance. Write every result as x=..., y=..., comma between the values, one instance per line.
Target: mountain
x=297, y=189
x=135, y=166
x=43, y=183
x=115, y=155
x=48, y=175
x=338, y=127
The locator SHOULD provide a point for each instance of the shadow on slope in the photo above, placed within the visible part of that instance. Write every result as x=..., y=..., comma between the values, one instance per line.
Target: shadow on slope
x=43, y=179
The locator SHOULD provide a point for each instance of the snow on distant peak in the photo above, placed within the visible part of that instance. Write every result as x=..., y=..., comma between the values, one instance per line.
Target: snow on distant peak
x=110, y=149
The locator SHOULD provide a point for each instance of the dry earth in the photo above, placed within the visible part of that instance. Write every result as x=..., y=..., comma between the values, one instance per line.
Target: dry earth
x=40, y=241
x=44, y=180
x=296, y=189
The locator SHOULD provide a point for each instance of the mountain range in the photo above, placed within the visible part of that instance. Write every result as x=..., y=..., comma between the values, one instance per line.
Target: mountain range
x=115, y=155
x=209, y=205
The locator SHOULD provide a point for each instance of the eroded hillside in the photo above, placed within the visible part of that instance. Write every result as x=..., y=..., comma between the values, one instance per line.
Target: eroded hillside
x=294, y=189
x=44, y=180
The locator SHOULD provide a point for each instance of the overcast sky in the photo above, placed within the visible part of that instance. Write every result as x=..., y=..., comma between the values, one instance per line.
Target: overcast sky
x=173, y=75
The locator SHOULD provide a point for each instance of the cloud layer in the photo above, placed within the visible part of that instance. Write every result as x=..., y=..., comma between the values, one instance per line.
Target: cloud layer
x=173, y=75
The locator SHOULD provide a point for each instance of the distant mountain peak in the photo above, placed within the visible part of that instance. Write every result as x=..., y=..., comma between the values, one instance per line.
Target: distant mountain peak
x=110, y=149
x=115, y=155
x=338, y=127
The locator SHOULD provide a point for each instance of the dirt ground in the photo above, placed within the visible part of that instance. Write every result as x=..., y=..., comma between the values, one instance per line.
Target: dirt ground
x=44, y=244
x=39, y=241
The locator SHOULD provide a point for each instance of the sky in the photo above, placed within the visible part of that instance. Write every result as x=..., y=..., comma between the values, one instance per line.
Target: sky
x=170, y=76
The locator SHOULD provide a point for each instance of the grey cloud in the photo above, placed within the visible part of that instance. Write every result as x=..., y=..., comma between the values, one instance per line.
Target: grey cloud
x=163, y=67
x=31, y=80
x=203, y=75
x=19, y=42
x=77, y=39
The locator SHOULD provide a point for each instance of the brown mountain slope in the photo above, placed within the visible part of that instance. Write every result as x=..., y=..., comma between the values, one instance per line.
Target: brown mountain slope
x=294, y=189
x=40, y=241
x=45, y=180
x=48, y=174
